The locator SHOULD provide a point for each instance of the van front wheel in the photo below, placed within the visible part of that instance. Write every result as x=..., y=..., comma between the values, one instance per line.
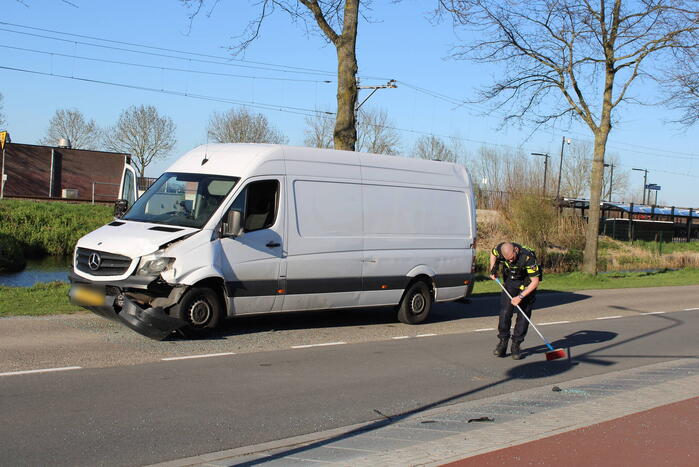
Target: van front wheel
x=416, y=304
x=200, y=308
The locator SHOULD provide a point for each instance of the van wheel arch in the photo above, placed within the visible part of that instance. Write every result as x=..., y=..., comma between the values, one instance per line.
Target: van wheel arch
x=210, y=292
x=418, y=292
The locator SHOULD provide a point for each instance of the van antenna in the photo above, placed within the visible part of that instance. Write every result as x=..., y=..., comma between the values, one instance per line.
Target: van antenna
x=206, y=150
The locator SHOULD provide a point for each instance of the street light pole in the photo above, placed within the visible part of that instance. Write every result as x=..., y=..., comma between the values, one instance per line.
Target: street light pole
x=546, y=168
x=611, y=180
x=560, y=168
x=645, y=182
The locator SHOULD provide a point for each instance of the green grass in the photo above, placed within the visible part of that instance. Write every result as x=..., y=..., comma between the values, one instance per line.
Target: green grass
x=42, y=299
x=668, y=247
x=575, y=281
x=50, y=228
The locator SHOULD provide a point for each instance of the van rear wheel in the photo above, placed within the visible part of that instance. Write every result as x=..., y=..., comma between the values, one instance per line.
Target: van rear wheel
x=200, y=308
x=416, y=304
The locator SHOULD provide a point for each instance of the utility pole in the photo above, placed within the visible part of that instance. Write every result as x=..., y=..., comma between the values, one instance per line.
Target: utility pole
x=645, y=182
x=546, y=168
x=560, y=168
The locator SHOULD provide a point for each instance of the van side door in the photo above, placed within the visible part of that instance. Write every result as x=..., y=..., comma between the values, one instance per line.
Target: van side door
x=251, y=261
x=324, y=260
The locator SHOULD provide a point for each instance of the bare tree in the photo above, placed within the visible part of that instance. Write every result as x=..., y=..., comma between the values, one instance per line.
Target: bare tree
x=143, y=133
x=682, y=87
x=241, y=126
x=573, y=58
x=2, y=115
x=319, y=131
x=337, y=20
x=433, y=148
x=375, y=132
x=72, y=124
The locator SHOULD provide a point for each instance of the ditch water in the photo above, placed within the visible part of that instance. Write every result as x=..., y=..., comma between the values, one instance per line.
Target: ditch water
x=49, y=269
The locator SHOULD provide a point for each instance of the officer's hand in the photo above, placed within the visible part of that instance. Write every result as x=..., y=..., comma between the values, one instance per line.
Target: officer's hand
x=494, y=277
x=516, y=301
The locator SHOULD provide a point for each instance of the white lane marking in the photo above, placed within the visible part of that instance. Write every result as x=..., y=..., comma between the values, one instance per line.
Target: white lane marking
x=484, y=329
x=316, y=345
x=690, y=309
x=401, y=337
x=554, y=322
x=187, y=357
x=654, y=313
x=45, y=370
x=425, y=335
x=610, y=317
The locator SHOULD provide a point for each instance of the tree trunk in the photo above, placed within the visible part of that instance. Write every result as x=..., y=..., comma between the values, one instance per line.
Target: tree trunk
x=345, y=134
x=601, y=134
x=592, y=229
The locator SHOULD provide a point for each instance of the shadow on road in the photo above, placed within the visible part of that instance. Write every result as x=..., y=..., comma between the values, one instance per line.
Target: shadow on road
x=441, y=312
x=530, y=370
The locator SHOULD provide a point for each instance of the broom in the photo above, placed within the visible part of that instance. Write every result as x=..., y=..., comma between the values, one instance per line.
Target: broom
x=552, y=354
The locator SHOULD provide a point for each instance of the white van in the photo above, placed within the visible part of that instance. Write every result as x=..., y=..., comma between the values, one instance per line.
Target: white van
x=233, y=229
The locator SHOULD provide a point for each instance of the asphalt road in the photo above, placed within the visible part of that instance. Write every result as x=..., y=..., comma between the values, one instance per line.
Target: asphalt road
x=126, y=406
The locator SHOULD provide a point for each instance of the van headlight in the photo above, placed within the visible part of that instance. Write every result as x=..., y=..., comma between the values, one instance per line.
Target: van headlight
x=154, y=264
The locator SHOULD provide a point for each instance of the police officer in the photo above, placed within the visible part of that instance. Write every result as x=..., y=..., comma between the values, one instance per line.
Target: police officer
x=522, y=274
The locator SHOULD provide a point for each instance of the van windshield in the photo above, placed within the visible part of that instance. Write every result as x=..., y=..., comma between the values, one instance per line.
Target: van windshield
x=182, y=199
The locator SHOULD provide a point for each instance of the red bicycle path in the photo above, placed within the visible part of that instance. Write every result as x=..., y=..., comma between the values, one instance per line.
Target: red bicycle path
x=663, y=436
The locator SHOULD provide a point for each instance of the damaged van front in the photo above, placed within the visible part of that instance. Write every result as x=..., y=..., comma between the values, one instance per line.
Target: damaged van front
x=134, y=270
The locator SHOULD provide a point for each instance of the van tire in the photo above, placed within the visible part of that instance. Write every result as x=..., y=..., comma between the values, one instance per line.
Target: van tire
x=200, y=308
x=416, y=304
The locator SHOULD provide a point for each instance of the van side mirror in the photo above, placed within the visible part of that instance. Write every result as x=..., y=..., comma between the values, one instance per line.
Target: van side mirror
x=232, y=227
x=120, y=208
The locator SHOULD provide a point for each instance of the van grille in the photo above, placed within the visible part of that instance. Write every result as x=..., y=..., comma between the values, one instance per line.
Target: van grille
x=107, y=264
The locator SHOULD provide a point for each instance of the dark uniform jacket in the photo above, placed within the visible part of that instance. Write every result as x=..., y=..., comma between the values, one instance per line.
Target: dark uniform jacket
x=521, y=270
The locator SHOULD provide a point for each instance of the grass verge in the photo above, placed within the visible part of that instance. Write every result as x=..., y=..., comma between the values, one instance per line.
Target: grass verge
x=42, y=299
x=49, y=228
x=576, y=281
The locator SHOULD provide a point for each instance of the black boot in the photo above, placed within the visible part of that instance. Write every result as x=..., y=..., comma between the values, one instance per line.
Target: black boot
x=516, y=355
x=501, y=348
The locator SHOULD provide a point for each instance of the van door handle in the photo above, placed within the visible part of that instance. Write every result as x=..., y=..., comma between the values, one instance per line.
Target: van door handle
x=272, y=244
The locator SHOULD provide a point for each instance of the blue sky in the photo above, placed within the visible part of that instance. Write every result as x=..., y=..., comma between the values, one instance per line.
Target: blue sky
x=399, y=43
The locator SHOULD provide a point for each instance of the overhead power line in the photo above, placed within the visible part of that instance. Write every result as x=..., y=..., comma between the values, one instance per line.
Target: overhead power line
x=164, y=49
x=283, y=108
x=156, y=67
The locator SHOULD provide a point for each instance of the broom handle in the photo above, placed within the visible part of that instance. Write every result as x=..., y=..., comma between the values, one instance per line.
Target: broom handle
x=521, y=312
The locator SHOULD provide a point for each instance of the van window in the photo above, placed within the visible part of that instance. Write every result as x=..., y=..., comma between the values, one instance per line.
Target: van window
x=128, y=192
x=328, y=209
x=182, y=199
x=259, y=203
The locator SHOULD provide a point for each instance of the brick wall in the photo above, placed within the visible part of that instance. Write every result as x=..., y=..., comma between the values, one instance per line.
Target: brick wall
x=28, y=169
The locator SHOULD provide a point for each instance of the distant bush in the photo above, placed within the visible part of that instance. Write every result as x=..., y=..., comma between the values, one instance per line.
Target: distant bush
x=49, y=228
x=11, y=254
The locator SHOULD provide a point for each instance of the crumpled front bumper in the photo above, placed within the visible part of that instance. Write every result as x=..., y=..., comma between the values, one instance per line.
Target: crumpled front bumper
x=152, y=322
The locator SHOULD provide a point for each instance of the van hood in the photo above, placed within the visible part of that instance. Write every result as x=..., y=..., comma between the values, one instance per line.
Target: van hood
x=133, y=239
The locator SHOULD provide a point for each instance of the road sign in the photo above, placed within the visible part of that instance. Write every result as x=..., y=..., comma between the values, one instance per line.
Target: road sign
x=653, y=186
x=4, y=138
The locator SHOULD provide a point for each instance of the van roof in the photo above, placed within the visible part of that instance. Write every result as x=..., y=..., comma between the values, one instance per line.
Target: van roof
x=241, y=159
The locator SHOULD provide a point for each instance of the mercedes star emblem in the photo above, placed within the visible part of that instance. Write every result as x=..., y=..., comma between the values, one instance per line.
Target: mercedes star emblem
x=94, y=261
